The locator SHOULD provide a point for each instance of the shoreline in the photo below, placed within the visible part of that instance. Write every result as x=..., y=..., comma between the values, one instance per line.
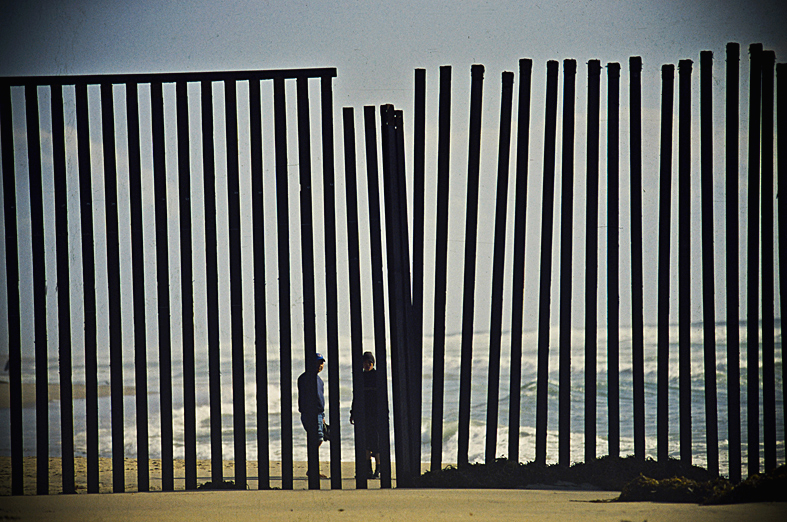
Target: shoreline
x=78, y=391
x=300, y=480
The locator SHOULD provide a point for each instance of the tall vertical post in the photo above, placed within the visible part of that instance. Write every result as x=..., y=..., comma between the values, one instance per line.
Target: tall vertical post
x=411, y=348
x=684, y=257
x=285, y=332
x=708, y=256
x=260, y=319
x=496, y=321
x=236, y=284
x=113, y=274
x=550, y=130
x=39, y=288
x=211, y=273
x=307, y=259
x=378, y=293
x=468, y=301
x=732, y=285
x=417, y=333
x=518, y=289
x=138, y=286
x=63, y=289
x=768, y=282
x=566, y=263
x=401, y=236
x=89, y=286
x=187, y=289
x=781, y=154
x=753, y=264
x=665, y=191
x=162, y=280
x=398, y=294
x=356, y=324
x=613, y=258
x=331, y=292
x=591, y=256
x=637, y=321
x=441, y=261
x=12, y=289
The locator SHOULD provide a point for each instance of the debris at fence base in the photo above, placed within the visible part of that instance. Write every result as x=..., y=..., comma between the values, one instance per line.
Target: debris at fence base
x=675, y=489
x=226, y=484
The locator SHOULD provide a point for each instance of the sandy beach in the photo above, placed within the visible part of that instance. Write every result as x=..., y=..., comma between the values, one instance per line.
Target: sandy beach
x=326, y=504
x=203, y=475
x=348, y=503
x=389, y=504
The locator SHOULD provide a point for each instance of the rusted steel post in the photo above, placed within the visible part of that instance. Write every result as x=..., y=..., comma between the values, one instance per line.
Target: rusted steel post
x=378, y=293
x=637, y=321
x=113, y=276
x=518, y=290
x=708, y=256
x=260, y=305
x=665, y=193
x=162, y=279
x=613, y=257
x=411, y=350
x=496, y=321
x=39, y=288
x=768, y=282
x=684, y=257
x=566, y=262
x=187, y=289
x=753, y=264
x=212, y=277
x=307, y=259
x=408, y=333
x=417, y=325
x=89, y=286
x=285, y=328
x=356, y=320
x=236, y=284
x=732, y=285
x=781, y=154
x=441, y=261
x=331, y=292
x=547, y=206
x=471, y=225
x=12, y=289
x=138, y=287
x=399, y=295
x=63, y=290
x=591, y=256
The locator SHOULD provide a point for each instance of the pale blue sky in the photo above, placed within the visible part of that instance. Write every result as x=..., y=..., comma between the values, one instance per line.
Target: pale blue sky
x=375, y=47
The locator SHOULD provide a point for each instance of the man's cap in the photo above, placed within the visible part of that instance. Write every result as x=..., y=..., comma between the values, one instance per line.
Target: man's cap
x=368, y=356
x=320, y=357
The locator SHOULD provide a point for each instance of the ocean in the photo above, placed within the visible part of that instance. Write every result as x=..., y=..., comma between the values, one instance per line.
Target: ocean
x=342, y=427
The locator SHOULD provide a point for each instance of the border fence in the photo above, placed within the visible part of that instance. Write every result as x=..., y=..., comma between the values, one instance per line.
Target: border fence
x=397, y=260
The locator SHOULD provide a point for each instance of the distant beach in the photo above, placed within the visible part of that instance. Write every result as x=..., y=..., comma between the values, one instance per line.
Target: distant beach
x=203, y=474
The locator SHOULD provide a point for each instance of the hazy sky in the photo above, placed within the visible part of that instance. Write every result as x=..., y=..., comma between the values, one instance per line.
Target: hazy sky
x=376, y=45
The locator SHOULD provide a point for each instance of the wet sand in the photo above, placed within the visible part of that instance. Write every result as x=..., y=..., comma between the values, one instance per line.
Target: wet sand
x=388, y=504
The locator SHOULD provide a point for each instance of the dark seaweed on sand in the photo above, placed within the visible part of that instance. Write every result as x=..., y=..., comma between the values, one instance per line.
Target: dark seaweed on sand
x=227, y=484
x=768, y=487
x=606, y=473
x=637, y=480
